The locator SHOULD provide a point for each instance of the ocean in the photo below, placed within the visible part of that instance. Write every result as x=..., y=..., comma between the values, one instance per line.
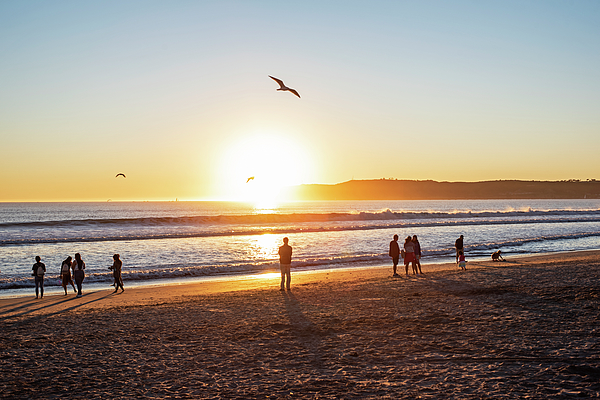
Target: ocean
x=166, y=242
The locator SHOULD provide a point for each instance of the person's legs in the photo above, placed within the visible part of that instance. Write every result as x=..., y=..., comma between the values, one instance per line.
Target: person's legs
x=406, y=266
x=395, y=260
x=288, y=275
x=42, y=286
x=282, y=268
x=37, y=286
x=79, y=281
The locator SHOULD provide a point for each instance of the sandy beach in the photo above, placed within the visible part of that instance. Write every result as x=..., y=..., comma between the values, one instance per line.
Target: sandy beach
x=525, y=328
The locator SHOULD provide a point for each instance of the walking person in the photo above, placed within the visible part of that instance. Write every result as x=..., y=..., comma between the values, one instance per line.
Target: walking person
x=116, y=269
x=459, y=245
x=65, y=274
x=39, y=270
x=78, y=266
x=409, y=254
x=285, y=264
x=417, y=262
x=462, y=263
x=395, y=253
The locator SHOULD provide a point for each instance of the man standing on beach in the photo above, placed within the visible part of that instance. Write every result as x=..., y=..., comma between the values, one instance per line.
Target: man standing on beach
x=395, y=253
x=39, y=269
x=285, y=264
x=459, y=246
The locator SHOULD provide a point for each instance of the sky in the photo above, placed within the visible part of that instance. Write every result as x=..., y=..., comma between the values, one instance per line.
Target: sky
x=176, y=95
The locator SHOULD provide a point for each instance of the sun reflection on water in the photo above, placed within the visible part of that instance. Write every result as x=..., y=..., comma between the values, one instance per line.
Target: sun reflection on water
x=264, y=246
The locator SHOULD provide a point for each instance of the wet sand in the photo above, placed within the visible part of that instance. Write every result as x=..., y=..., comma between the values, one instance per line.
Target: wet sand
x=526, y=328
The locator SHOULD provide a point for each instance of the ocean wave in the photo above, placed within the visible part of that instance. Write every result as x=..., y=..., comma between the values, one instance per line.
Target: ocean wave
x=86, y=236
x=178, y=271
x=253, y=219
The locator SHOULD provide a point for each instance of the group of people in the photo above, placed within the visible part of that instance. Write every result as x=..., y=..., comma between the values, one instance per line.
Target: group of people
x=77, y=266
x=411, y=253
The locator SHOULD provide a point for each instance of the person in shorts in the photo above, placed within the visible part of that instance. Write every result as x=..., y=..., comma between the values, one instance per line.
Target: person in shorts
x=65, y=274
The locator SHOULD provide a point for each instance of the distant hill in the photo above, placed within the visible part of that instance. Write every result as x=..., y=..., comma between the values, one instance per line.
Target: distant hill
x=389, y=189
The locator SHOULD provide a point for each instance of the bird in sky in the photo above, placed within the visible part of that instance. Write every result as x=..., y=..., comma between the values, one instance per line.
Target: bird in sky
x=121, y=174
x=283, y=87
x=250, y=179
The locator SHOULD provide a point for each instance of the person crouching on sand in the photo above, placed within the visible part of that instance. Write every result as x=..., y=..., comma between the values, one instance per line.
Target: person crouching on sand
x=417, y=255
x=285, y=264
x=462, y=263
x=65, y=274
x=409, y=254
x=78, y=266
x=116, y=269
x=395, y=253
x=497, y=257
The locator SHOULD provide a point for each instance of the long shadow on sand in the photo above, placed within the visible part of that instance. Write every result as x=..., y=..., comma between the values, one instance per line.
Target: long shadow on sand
x=303, y=329
x=28, y=308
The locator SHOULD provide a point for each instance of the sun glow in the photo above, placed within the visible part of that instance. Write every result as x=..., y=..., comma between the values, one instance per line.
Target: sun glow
x=256, y=168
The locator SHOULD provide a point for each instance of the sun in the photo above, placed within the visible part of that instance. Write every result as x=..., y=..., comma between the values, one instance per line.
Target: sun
x=256, y=167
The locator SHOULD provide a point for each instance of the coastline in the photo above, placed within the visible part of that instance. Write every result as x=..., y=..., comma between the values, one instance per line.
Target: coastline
x=162, y=289
x=525, y=328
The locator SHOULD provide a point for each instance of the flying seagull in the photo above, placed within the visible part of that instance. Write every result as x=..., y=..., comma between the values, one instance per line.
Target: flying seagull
x=123, y=175
x=250, y=179
x=283, y=87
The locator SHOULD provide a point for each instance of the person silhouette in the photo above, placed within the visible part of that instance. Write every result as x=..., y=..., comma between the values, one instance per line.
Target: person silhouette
x=39, y=270
x=285, y=264
x=78, y=267
x=395, y=253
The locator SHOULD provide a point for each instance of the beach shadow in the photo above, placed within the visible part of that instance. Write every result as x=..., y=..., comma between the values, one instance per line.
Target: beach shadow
x=28, y=309
x=302, y=328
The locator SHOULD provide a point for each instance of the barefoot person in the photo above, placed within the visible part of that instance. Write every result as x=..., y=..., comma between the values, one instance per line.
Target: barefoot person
x=39, y=270
x=285, y=264
x=395, y=253
x=65, y=274
x=417, y=254
x=409, y=254
x=116, y=269
x=459, y=245
x=78, y=267
x=462, y=263
x=497, y=257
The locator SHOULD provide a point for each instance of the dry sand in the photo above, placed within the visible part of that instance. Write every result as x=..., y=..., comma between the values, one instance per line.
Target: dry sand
x=526, y=328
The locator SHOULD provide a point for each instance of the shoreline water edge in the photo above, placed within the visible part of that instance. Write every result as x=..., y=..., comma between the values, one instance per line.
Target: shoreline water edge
x=524, y=328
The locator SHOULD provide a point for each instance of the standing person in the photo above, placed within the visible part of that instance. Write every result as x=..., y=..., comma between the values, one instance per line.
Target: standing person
x=116, y=269
x=417, y=246
x=39, y=269
x=462, y=262
x=409, y=254
x=395, y=253
x=65, y=274
x=78, y=267
x=285, y=264
x=459, y=246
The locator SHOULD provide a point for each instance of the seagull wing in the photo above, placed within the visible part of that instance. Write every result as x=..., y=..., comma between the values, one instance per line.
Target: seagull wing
x=294, y=91
x=123, y=175
x=282, y=86
x=250, y=179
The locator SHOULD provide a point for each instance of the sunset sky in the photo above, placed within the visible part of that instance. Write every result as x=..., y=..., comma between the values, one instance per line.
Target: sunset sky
x=176, y=95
